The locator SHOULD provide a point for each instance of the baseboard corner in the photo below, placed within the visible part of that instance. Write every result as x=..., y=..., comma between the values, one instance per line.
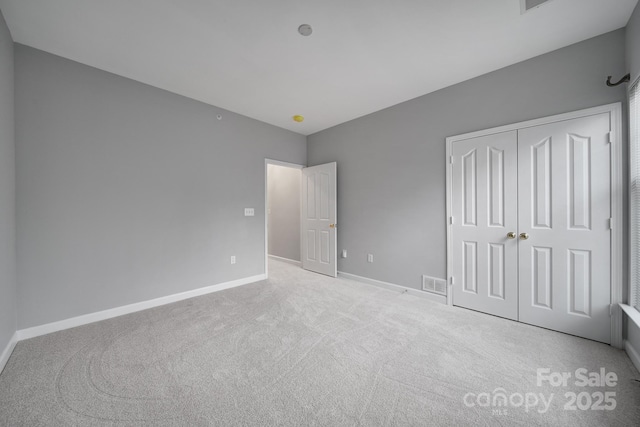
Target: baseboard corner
x=287, y=260
x=6, y=353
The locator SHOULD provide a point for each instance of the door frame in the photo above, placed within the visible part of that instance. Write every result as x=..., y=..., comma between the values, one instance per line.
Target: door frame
x=268, y=162
x=617, y=140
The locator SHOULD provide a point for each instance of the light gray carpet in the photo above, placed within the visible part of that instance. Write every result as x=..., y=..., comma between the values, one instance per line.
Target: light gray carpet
x=303, y=349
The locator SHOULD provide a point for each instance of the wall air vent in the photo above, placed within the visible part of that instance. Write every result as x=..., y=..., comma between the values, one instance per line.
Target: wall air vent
x=527, y=5
x=434, y=285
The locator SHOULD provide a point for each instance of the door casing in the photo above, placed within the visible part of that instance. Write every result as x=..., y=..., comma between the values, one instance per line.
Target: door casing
x=617, y=186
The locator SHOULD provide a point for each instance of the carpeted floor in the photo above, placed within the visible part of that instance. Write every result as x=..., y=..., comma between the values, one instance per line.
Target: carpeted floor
x=304, y=349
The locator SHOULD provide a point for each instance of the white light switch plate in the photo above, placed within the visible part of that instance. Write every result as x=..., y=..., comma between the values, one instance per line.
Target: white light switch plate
x=249, y=212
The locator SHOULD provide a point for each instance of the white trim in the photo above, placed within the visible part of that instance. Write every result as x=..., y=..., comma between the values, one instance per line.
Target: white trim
x=617, y=213
x=268, y=162
x=633, y=354
x=449, y=213
x=285, y=164
x=391, y=286
x=617, y=180
x=85, y=319
x=287, y=260
x=6, y=354
x=630, y=248
x=632, y=313
x=537, y=122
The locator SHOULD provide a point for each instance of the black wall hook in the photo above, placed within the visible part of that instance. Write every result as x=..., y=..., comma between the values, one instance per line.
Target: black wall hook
x=625, y=79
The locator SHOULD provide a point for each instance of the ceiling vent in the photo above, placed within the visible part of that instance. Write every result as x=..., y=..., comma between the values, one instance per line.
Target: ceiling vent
x=527, y=5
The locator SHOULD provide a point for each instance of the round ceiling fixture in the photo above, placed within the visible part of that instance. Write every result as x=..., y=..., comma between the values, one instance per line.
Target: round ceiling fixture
x=305, y=30
x=298, y=118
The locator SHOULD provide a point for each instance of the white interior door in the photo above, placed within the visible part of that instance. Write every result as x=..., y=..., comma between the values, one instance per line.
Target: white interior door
x=564, y=209
x=484, y=208
x=319, y=213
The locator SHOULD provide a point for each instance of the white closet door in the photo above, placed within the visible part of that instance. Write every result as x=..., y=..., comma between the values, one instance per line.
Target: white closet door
x=484, y=208
x=319, y=211
x=564, y=209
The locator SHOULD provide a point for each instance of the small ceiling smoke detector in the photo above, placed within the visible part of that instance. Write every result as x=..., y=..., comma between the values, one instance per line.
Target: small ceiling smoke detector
x=305, y=30
x=527, y=5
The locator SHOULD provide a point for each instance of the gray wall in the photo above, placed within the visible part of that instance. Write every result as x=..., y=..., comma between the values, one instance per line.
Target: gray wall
x=284, y=211
x=128, y=193
x=7, y=191
x=391, y=164
x=633, y=66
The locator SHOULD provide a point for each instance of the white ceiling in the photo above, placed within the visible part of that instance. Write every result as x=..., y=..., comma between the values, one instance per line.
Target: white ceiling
x=247, y=56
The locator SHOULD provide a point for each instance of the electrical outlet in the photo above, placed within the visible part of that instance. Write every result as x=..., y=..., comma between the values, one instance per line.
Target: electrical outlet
x=344, y=253
x=370, y=258
x=233, y=259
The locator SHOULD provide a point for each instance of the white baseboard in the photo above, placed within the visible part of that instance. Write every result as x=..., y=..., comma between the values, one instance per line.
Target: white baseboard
x=633, y=354
x=287, y=260
x=85, y=319
x=6, y=353
x=415, y=292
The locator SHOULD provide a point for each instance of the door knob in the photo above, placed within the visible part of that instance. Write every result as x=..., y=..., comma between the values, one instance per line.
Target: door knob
x=511, y=235
x=524, y=236
x=333, y=225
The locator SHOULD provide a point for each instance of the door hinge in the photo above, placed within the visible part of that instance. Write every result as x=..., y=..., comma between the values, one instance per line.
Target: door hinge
x=451, y=159
x=610, y=223
x=610, y=309
x=612, y=137
x=452, y=220
x=451, y=281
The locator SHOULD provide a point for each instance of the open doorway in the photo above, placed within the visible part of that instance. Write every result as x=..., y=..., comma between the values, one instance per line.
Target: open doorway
x=301, y=215
x=283, y=193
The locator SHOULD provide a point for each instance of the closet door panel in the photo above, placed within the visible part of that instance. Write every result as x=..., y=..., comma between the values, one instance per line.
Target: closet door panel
x=563, y=210
x=484, y=205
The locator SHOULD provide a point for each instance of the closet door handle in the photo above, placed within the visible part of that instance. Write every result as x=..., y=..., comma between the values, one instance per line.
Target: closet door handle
x=511, y=235
x=524, y=236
